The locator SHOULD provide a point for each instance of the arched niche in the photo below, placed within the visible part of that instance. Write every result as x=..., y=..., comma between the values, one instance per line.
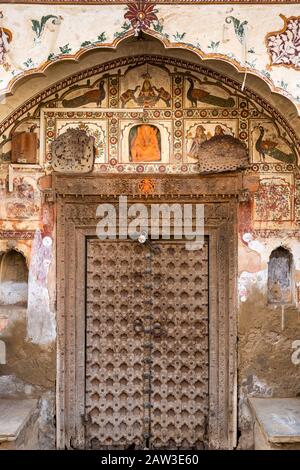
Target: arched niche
x=145, y=143
x=13, y=278
x=280, y=277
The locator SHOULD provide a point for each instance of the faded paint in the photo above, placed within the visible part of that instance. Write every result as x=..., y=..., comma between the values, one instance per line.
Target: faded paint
x=12, y=293
x=41, y=327
x=2, y=352
x=269, y=357
x=265, y=366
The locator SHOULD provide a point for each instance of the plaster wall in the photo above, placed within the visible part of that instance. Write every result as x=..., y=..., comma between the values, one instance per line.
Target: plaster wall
x=268, y=336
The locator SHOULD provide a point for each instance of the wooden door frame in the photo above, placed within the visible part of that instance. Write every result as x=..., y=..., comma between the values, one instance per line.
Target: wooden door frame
x=77, y=198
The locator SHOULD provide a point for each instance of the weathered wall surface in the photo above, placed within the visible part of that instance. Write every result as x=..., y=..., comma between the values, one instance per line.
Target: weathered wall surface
x=268, y=335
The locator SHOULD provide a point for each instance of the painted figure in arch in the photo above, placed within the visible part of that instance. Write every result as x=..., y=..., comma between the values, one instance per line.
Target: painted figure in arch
x=144, y=141
x=219, y=130
x=198, y=139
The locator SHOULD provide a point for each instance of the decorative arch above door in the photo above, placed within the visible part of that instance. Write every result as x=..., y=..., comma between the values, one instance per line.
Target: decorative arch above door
x=186, y=110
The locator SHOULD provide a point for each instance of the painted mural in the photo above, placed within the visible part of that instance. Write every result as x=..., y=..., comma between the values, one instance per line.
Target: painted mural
x=150, y=114
x=273, y=201
x=22, y=203
x=154, y=114
x=270, y=145
x=249, y=38
x=144, y=143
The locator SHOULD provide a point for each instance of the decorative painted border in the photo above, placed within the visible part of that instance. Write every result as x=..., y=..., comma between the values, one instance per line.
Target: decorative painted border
x=166, y=2
x=277, y=35
x=17, y=234
x=37, y=99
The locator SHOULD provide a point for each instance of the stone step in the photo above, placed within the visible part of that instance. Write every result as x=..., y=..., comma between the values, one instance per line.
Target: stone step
x=276, y=423
x=18, y=428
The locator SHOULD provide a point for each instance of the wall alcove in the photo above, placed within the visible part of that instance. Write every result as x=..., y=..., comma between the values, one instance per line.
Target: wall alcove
x=280, y=277
x=13, y=278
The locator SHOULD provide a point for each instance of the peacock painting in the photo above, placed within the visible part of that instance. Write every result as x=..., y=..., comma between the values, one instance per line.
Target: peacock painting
x=91, y=96
x=267, y=147
x=199, y=94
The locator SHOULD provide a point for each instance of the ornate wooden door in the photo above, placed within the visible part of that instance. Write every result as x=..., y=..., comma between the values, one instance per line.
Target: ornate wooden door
x=146, y=345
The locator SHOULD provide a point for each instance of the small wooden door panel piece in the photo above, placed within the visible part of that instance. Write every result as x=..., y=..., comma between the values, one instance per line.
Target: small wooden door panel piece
x=180, y=352
x=24, y=147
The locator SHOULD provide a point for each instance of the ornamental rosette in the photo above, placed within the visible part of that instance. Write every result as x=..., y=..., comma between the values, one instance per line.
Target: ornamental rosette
x=141, y=14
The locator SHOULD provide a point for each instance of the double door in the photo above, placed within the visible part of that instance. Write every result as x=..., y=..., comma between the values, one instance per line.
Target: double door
x=146, y=345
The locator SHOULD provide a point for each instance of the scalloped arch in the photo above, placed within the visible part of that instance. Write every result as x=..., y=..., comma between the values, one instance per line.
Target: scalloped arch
x=167, y=44
x=22, y=111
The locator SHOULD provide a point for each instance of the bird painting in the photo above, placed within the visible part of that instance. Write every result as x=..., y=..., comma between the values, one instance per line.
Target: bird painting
x=270, y=148
x=91, y=96
x=198, y=94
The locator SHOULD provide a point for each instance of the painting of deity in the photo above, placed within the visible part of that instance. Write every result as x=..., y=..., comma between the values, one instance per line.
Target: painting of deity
x=201, y=135
x=268, y=145
x=140, y=88
x=144, y=143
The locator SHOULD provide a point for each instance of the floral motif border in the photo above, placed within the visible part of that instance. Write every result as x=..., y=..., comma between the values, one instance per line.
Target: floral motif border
x=284, y=45
x=166, y=2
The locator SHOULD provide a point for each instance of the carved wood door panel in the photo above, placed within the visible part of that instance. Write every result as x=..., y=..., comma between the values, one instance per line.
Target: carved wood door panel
x=146, y=345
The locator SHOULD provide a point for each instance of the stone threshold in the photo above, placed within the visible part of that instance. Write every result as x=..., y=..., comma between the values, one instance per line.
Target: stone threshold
x=15, y=416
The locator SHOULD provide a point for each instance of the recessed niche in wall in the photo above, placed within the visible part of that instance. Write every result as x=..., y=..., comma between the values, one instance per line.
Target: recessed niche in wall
x=280, y=277
x=144, y=143
x=13, y=278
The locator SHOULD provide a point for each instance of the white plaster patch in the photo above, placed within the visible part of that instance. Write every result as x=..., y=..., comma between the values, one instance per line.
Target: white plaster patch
x=296, y=354
x=255, y=245
x=2, y=353
x=12, y=293
x=41, y=326
x=249, y=280
x=247, y=237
